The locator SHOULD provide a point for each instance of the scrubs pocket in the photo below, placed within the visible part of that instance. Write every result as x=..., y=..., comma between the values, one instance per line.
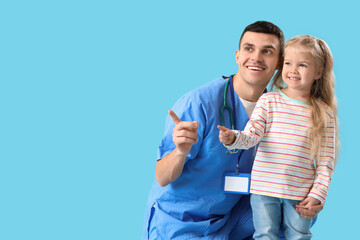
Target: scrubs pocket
x=152, y=231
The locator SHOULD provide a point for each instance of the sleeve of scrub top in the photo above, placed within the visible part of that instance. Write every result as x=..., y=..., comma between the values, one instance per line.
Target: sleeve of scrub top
x=187, y=108
x=325, y=163
x=254, y=129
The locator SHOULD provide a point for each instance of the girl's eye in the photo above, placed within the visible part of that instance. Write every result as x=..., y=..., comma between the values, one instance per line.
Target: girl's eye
x=286, y=63
x=302, y=65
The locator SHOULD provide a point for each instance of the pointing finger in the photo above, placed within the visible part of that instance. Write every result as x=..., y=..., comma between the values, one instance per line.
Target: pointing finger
x=174, y=117
x=222, y=128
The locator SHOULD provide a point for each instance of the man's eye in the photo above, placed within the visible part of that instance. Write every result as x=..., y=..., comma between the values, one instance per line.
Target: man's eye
x=267, y=51
x=248, y=49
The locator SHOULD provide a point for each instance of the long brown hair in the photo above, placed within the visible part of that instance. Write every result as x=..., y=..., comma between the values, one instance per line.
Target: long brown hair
x=322, y=93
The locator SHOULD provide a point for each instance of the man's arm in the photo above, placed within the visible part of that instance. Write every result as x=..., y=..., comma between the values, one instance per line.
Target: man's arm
x=170, y=167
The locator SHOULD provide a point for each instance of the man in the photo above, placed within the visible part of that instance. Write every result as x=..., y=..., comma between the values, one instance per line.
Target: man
x=187, y=200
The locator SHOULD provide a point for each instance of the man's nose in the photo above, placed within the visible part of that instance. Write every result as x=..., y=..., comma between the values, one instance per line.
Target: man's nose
x=257, y=56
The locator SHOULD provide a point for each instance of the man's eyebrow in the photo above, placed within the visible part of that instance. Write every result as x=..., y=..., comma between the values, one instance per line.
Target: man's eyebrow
x=265, y=47
x=270, y=46
x=248, y=44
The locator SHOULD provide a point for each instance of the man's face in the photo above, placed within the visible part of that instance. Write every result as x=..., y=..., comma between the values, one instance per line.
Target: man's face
x=258, y=58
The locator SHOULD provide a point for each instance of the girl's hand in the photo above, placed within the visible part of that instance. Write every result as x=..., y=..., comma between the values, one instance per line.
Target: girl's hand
x=309, y=207
x=226, y=136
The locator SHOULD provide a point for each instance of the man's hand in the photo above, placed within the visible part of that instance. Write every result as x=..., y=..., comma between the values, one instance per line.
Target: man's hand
x=170, y=167
x=184, y=134
x=309, y=208
x=226, y=136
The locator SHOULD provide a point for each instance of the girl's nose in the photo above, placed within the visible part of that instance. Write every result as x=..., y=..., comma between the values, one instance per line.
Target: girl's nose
x=294, y=69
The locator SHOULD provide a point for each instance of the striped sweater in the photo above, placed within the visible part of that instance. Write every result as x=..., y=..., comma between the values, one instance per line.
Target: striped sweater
x=282, y=166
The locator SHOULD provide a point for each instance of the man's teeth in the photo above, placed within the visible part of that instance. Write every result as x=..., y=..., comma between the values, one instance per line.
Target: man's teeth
x=255, y=68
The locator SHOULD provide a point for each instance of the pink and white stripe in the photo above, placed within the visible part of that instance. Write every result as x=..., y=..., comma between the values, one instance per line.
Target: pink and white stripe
x=283, y=167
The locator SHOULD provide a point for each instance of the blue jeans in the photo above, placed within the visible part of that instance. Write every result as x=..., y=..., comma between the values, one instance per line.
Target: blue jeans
x=268, y=213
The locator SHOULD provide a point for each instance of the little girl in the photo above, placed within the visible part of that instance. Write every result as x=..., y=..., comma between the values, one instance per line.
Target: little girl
x=295, y=126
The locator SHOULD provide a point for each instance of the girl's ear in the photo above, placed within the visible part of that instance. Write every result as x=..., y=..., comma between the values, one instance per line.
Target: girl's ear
x=318, y=75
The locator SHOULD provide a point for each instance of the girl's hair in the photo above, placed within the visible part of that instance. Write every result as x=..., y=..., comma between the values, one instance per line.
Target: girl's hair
x=322, y=93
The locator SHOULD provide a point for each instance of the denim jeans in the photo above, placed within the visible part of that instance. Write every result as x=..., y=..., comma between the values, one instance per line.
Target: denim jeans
x=268, y=213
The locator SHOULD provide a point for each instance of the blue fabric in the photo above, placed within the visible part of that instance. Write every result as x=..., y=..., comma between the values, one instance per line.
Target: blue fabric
x=238, y=226
x=268, y=213
x=195, y=205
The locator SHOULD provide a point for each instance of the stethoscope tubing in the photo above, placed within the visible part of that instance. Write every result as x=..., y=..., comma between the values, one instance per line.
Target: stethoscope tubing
x=232, y=114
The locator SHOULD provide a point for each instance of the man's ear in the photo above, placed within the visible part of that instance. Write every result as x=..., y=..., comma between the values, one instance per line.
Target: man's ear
x=237, y=56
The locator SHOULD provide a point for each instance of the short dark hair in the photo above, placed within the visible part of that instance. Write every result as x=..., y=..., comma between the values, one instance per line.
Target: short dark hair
x=269, y=28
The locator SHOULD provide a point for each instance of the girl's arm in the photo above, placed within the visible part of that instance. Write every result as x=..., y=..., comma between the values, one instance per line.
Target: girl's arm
x=325, y=163
x=254, y=129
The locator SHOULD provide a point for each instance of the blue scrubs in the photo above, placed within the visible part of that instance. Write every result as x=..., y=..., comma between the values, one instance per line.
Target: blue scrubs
x=195, y=205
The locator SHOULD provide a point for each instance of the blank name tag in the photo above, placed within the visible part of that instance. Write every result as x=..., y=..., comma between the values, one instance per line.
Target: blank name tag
x=239, y=184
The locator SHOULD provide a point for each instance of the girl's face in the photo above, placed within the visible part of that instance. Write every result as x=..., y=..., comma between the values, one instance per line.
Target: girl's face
x=299, y=72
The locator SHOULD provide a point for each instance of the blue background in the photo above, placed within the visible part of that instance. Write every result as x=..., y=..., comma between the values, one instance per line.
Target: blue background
x=84, y=91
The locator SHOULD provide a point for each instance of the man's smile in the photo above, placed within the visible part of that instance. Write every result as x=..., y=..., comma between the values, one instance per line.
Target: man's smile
x=255, y=68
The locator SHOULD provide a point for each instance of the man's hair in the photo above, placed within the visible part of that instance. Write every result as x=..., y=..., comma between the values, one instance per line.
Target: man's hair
x=269, y=28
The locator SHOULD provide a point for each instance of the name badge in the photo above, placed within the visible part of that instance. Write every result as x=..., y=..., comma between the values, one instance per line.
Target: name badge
x=237, y=183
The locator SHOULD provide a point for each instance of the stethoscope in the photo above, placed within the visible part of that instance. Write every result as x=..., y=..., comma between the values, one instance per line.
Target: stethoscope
x=229, y=84
x=226, y=106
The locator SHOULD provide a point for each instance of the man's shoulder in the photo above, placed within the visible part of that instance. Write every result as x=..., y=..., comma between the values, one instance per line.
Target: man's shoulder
x=205, y=97
x=206, y=90
x=212, y=85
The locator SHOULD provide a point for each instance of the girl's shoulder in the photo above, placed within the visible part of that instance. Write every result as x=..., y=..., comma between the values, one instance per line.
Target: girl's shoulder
x=330, y=114
x=272, y=95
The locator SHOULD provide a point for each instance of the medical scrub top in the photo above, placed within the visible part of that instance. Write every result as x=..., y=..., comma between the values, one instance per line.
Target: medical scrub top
x=195, y=204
